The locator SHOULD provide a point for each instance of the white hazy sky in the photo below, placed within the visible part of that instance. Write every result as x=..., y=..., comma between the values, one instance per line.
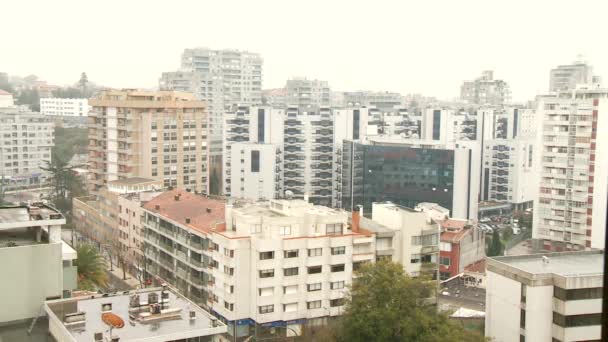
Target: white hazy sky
x=420, y=46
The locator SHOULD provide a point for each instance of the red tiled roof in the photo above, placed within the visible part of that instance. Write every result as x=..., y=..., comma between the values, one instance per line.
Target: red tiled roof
x=477, y=267
x=453, y=224
x=189, y=206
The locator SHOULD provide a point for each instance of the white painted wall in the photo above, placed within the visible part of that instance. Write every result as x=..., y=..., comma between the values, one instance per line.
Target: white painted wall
x=502, y=308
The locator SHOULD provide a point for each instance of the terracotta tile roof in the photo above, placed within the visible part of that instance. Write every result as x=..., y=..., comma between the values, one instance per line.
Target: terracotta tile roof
x=453, y=224
x=189, y=205
x=455, y=236
x=477, y=267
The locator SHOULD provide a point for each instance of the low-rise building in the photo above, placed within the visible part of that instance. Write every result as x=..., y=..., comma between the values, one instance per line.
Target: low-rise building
x=6, y=99
x=545, y=297
x=155, y=315
x=462, y=243
x=35, y=263
x=282, y=263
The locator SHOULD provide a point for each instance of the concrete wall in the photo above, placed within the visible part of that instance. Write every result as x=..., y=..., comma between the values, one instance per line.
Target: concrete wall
x=539, y=313
x=502, y=308
x=34, y=272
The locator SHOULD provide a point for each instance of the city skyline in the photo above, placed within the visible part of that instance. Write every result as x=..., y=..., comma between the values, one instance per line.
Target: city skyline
x=357, y=49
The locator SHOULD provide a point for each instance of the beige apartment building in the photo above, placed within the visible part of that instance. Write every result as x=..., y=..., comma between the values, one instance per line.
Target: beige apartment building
x=111, y=219
x=158, y=135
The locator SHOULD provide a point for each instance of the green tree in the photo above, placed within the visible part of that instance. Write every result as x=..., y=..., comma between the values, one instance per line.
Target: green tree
x=495, y=247
x=91, y=268
x=65, y=184
x=385, y=304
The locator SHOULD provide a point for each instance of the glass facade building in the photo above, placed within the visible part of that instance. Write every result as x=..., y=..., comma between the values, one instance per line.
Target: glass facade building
x=401, y=174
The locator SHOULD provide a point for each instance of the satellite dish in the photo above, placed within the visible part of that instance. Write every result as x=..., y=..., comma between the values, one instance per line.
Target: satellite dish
x=289, y=194
x=112, y=320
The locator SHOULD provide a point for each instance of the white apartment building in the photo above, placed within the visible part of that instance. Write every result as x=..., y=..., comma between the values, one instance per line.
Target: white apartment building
x=64, y=107
x=397, y=121
x=222, y=78
x=545, y=297
x=304, y=93
x=255, y=171
x=509, y=171
x=570, y=209
x=282, y=263
x=486, y=90
x=382, y=100
x=448, y=125
x=36, y=263
x=6, y=99
x=568, y=77
x=26, y=139
x=406, y=236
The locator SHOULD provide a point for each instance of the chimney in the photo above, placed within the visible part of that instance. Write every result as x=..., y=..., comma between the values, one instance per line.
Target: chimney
x=177, y=197
x=187, y=220
x=208, y=210
x=157, y=207
x=356, y=219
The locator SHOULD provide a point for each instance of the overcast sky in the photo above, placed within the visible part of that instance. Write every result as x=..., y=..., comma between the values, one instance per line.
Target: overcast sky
x=419, y=46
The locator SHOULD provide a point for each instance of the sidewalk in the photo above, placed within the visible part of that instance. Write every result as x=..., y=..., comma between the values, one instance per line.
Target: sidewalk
x=131, y=280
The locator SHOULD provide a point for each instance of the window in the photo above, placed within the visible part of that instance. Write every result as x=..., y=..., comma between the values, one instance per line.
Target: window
x=314, y=287
x=229, y=270
x=337, y=268
x=290, y=271
x=444, y=275
x=334, y=229
x=255, y=161
x=291, y=289
x=267, y=273
x=285, y=230
x=291, y=307
x=523, y=293
x=577, y=320
x=522, y=318
x=290, y=254
x=266, y=255
x=266, y=291
x=229, y=306
x=336, y=302
x=415, y=258
x=256, y=228
x=266, y=309
x=313, y=252
x=229, y=252
x=336, y=285
x=577, y=294
x=338, y=250
x=315, y=304
x=425, y=240
x=445, y=261
x=445, y=246
x=315, y=269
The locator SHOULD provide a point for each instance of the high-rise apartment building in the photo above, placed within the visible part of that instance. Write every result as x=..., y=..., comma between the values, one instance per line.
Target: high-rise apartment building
x=486, y=90
x=159, y=135
x=304, y=93
x=570, y=210
x=545, y=297
x=26, y=140
x=410, y=171
x=64, y=107
x=448, y=125
x=397, y=121
x=384, y=101
x=222, y=78
x=567, y=77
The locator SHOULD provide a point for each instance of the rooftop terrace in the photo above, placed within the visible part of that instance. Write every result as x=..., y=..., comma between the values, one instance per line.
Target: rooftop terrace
x=566, y=264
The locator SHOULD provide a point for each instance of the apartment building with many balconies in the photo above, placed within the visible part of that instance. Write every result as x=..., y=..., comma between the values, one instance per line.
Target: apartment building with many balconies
x=570, y=209
x=26, y=140
x=486, y=90
x=159, y=135
x=304, y=93
x=64, y=107
x=545, y=297
x=255, y=265
x=222, y=78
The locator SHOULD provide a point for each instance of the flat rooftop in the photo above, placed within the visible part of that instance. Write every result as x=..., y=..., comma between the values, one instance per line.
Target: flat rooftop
x=566, y=264
x=162, y=327
x=33, y=215
x=133, y=181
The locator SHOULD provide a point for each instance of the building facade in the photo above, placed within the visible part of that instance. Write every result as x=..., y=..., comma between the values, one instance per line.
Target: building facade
x=158, y=135
x=486, y=90
x=305, y=93
x=461, y=244
x=568, y=77
x=222, y=78
x=27, y=139
x=569, y=211
x=64, y=107
x=408, y=172
x=256, y=265
x=38, y=261
x=546, y=297
x=6, y=99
